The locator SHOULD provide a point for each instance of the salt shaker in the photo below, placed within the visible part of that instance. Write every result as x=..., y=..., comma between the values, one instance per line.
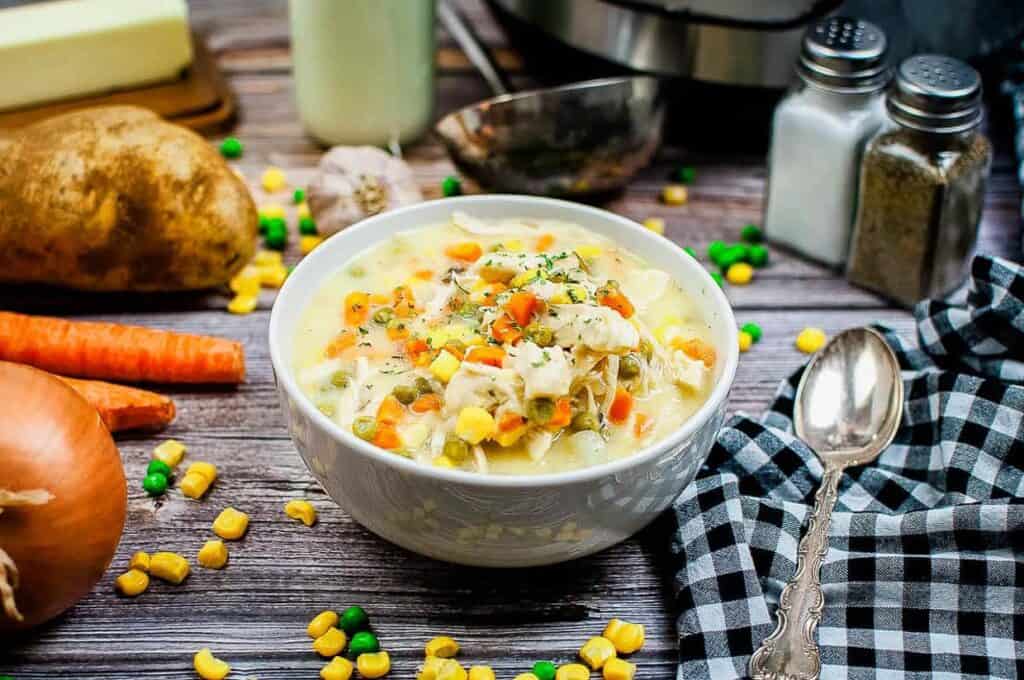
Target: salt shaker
x=819, y=131
x=922, y=184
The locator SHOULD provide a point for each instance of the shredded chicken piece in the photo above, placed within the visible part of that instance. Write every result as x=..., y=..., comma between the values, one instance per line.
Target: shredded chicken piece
x=481, y=458
x=545, y=371
x=538, y=443
x=356, y=395
x=598, y=328
x=688, y=373
x=484, y=386
x=611, y=380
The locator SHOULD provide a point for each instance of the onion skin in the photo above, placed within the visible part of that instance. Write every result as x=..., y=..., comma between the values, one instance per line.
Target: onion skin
x=52, y=439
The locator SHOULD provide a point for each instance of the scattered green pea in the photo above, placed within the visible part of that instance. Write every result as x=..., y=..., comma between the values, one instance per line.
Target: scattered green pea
x=353, y=620
x=451, y=186
x=422, y=385
x=299, y=196
x=758, y=255
x=363, y=642
x=686, y=174
x=540, y=410
x=715, y=250
x=540, y=335
x=277, y=233
x=231, y=147
x=155, y=484
x=646, y=349
x=752, y=234
x=718, y=279
x=456, y=449
x=753, y=330
x=307, y=226
x=690, y=251
x=383, y=315
x=630, y=366
x=158, y=467
x=544, y=670
x=733, y=254
x=405, y=394
x=339, y=379
x=365, y=428
x=585, y=420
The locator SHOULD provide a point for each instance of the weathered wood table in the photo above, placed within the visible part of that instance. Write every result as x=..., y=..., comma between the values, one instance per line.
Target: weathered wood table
x=254, y=612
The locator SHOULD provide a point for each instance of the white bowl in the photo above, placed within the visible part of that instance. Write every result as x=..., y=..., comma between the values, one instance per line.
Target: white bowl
x=499, y=521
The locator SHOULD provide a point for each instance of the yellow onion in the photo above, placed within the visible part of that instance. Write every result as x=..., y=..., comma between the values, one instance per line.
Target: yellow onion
x=63, y=497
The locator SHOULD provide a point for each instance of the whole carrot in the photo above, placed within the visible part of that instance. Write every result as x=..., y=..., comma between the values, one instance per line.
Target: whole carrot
x=92, y=349
x=125, y=408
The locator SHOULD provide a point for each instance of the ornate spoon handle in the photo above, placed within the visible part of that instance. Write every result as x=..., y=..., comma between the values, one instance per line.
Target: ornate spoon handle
x=791, y=653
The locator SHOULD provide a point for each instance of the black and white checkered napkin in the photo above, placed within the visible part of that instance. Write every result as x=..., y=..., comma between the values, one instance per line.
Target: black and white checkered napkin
x=925, y=573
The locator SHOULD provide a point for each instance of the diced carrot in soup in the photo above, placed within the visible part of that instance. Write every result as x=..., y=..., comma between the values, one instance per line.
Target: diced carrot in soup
x=521, y=307
x=467, y=251
x=562, y=416
x=426, y=404
x=390, y=411
x=696, y=348
x=490, y=355
x=387, y=437
x=357, y=308
x=622, y=406
x=504, y=330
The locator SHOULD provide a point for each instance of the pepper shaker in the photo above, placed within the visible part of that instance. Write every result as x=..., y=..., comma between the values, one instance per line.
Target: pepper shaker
x=922, y=184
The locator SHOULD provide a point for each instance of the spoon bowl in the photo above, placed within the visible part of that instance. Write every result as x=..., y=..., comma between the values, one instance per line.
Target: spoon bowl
x=850, y=397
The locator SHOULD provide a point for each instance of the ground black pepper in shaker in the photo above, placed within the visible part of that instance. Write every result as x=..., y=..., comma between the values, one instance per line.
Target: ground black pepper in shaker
x=922, y=184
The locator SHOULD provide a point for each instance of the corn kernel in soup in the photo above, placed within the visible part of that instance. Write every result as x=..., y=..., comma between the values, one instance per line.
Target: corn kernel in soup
x=506, y=346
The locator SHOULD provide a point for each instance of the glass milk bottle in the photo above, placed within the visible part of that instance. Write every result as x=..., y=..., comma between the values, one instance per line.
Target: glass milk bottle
x=364, y=69
x=818, y=134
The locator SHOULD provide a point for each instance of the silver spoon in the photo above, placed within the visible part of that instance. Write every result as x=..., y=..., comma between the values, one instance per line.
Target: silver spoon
x=848, y=408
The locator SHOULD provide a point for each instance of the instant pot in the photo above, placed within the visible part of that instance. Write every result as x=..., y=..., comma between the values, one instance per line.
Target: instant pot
x=725, y=63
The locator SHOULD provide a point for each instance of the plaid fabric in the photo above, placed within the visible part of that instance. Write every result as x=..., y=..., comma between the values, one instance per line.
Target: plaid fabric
x=925, y=573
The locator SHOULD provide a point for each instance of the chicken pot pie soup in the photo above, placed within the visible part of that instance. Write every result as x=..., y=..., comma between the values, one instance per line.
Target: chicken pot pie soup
x=505, y=347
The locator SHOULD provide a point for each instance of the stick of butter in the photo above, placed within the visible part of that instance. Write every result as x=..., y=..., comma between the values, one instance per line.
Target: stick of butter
x=72, y=48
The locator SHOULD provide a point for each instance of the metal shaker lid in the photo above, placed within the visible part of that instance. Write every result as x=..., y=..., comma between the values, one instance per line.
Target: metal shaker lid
x=935, y=93
x=844, y=54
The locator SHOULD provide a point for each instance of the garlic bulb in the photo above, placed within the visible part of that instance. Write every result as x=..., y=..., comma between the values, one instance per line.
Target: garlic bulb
x=355, y=182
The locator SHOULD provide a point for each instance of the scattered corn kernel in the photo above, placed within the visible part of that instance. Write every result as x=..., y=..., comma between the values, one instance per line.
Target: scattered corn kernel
x=674, y=194
x=213, y=555
x=745, y=341
x=308, y=243
x=302, y=511
x=526, y=676
x=375, y=665
x=597, y=651
x=331, y=643
x=627, y=637
x=339, y=668
x=436, y=668
x=207, y=470
x=510, y=437
x=810, y=340
x=302, y=212
x=273, y=275
x=231, y=524
x=271, y=211
x=444, y=366
x=740, y=274
x=481, y=673
x=619, y=669
x=655, y=224
x=588, y=252
x=210, y=667
x=321, y=623
x=474, y=424
x=170, y=452
x=573, y=671
x=273, y=179
x=267, y=258
x=132, y=582
x=442, y=646
x=242, y=304
x=194, y=485
x=140, y=561
x=523, y=278
x=168, y=566
x=247, y=281
x=444, y=461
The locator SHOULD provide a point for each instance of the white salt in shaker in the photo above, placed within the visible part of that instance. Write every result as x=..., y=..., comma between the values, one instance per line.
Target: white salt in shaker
x=819, y=132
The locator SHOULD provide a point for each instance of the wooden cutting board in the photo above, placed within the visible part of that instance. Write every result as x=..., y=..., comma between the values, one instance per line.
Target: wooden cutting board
x=200, y=99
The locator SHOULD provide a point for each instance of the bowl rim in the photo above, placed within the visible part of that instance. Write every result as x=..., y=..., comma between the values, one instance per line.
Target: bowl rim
x=632, y=230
